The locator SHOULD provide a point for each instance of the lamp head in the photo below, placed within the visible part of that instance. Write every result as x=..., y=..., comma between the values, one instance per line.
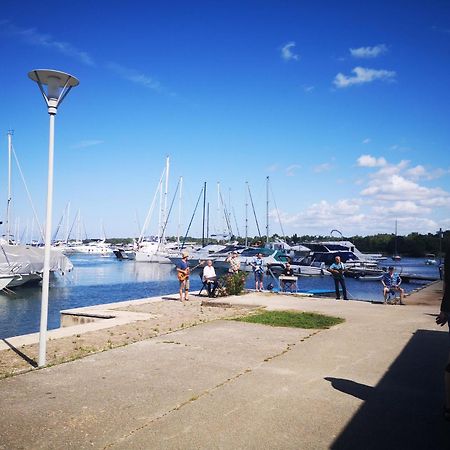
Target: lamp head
x=54, y=86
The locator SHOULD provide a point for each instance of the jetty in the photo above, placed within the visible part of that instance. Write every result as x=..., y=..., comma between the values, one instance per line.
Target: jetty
x=374, y=381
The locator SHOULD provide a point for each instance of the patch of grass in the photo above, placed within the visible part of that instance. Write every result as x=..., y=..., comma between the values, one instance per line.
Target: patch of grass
x=292, y=319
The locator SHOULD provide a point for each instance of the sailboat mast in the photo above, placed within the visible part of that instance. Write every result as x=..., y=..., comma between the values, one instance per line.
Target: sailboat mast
x=267, y=210
x=204, y=214
x=246, y=217
x=207, y=223
x=395, y=242
x=8, y=205
x=219, y=228
x=180, y=198
x=166, y=190
x=67, y=222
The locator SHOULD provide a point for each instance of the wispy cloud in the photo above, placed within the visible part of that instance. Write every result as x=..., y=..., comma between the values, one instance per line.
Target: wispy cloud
x=363, y=75
x=31, y=36
x=307, y=88
x=325, y=167
x=287, y=52
x=369, y=52
x=292, y=169
x=87, y=143
x=366, y=141
x=370, y=161
x=441, y=29
x=135, y=76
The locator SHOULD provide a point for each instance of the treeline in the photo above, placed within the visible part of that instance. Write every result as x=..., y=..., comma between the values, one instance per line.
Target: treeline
x=414, y=244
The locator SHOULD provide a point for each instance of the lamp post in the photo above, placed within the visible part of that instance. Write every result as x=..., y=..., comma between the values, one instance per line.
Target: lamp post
x=54, y=87
x=441, y=236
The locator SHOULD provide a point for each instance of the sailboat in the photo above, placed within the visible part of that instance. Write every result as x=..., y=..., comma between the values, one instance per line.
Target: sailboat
x=24, y=263
x=396, y=256
x=155, y=249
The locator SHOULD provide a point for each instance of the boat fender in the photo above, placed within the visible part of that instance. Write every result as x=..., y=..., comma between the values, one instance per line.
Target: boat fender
x=447, y=368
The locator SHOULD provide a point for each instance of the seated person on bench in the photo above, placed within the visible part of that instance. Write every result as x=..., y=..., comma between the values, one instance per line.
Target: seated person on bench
x=210, y=278
x=391, y=284
x=288, y=272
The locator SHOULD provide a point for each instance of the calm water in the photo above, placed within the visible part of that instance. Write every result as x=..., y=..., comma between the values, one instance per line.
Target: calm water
x=97, y=280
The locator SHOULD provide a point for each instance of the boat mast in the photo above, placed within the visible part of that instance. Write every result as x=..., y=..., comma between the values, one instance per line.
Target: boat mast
x=253, y=208
x=207, y=223
x=166, y=190
x=246, y=217
x=219, y=228
x=179, y=211
x=395, y=242
x=67, y=222
x=8, y=204
x=204, y=214
x=267, y=211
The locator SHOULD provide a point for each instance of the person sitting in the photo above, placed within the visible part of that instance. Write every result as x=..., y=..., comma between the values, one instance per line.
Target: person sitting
x=210, y=278
x=234, y=261
x=391, y=284
x=288, y=272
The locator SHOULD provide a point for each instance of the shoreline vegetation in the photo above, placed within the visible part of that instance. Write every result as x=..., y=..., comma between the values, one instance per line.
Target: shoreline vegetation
x=413, y=244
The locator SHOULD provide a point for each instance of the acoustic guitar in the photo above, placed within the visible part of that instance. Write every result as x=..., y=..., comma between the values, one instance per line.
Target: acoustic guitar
x=184, y=274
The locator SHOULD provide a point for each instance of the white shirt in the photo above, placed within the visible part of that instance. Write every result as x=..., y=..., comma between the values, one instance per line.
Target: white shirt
x=209, y=272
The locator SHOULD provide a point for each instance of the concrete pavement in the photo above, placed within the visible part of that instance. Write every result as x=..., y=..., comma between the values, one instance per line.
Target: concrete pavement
x=374, y=381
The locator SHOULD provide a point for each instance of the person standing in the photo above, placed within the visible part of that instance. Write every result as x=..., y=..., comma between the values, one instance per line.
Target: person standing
x=209, y=277
x=258, y=270
x=442, y=319
x=337, y=271
x=234, y=261
x=183, y=276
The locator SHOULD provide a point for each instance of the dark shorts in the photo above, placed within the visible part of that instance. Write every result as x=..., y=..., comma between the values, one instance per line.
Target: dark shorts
x=259, y=275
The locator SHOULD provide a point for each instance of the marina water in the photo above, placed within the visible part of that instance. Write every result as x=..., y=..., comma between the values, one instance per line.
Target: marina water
x=98, y=280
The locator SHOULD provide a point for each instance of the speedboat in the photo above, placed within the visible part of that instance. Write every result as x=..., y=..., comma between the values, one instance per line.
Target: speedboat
x=430, y=259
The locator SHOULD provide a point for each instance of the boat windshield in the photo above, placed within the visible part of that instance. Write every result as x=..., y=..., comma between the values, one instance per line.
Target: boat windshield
x=254, y=251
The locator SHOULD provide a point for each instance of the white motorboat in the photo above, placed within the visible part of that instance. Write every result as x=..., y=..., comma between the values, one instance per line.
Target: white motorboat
x=92, y=248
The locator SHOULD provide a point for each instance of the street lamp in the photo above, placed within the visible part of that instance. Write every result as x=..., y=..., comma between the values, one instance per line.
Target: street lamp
x=54, y=87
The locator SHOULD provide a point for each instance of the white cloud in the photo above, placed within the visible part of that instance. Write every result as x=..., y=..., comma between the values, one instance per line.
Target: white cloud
x=31, y=36
x=307, y=88
x=368, y=52
x=287, y=52
x=419, y=172
x=401, y=208
x=363, y=75
x=87, y=143
x=135, y=77
x=325, y=167
x=291, y=170
x=366, y=141
x=272, y=168
x=371, y=161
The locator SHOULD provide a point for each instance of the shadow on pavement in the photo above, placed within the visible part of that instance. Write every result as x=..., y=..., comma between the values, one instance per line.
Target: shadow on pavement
x=404, y=411
x=30, y=361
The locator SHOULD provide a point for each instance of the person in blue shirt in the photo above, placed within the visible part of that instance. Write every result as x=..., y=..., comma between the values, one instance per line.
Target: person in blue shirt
x=258, y=270
x=337, y=271
x=391, y=283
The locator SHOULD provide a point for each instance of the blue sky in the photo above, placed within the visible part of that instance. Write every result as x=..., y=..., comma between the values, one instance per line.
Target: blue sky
x=344, y=106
